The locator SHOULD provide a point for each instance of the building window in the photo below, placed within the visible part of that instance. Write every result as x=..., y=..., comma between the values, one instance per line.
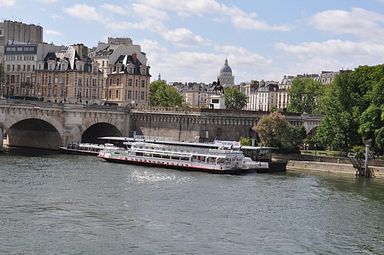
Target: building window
x=129, y=94
x=130, y=82
x=142, y=83
x=142, y=95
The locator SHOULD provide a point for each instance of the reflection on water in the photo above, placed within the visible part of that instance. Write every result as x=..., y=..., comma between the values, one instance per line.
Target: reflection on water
x=64, y=204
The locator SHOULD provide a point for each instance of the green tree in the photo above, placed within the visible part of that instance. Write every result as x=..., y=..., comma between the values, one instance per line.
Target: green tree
x=163, y=95
x=234, y=98
x=353, y=110
x=245, y=140
x=338, y=129
x=275, y=131
x=305, y=96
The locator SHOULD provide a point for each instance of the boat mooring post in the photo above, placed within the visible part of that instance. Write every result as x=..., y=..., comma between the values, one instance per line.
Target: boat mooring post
x=1, y=139
x=367, y=144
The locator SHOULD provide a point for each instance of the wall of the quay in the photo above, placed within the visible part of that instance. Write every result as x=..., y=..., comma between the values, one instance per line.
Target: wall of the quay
x=171, y=125
x=204, y=125
x=327, y=167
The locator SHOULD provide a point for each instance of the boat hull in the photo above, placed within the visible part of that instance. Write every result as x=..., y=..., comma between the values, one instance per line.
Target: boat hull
x=178, y=166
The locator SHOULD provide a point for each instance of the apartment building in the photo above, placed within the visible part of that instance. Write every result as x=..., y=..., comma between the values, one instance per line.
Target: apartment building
x=13, y=32
x=20, y=63
x=68, y=76
x=128, y=81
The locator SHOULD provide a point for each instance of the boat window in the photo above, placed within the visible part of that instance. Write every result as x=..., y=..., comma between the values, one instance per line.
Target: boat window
x=211, y=160
x=220, y=161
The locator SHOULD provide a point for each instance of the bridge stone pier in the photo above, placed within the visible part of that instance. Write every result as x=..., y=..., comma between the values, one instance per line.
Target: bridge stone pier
x=48, y=125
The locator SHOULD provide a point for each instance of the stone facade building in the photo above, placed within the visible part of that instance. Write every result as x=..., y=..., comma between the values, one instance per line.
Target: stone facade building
x=20, y=63
x=67, y=77
x=128, y=82
x=13, y=32
x=117, y=54
x=115, y=71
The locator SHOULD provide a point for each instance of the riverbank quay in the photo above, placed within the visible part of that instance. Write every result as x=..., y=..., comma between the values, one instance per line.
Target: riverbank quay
x=337, y=165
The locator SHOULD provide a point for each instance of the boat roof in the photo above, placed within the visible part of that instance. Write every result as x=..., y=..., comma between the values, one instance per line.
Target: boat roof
x=129, y=140
x=166, y=142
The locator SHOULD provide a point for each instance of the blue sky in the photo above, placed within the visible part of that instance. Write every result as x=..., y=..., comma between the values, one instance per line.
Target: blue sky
x=189, y=40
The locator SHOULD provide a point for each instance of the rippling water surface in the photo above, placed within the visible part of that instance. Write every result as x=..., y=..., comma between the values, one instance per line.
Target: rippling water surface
x=65, y=204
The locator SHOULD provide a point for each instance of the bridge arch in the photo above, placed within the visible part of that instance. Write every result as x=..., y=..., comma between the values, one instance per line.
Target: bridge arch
x=312, y=132
x=99, y=129
x=34, y=133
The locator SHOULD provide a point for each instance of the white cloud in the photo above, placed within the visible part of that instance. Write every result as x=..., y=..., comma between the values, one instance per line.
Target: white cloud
x=183, y=37
x=358, y=22
x=114, y=8
x=146, y=11
x=53, y=32
x=198, y=66
x=56, y=17
x=48, y=1
x=239, y=18
x=330, y=55
x=242, y=56
x=333, y=48
x=7, y=3
x=248, y=21
x=84, y=12
x=196, y=7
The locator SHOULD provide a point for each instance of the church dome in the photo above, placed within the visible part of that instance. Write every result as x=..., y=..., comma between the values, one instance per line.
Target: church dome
x=226, y=68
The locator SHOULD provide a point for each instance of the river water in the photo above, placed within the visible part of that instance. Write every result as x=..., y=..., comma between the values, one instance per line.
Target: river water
x=52, y=203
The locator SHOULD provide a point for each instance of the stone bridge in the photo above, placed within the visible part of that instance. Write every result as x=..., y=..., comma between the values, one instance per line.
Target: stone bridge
x=206, y=125
x=47, y=125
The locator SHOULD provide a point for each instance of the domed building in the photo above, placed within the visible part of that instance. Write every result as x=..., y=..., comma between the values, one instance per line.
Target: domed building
x=225, y=77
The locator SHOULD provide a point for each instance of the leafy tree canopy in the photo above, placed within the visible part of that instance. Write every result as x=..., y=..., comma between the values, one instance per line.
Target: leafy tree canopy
x=234, y=98
x=245, y=140
x=353, y=110
x=275, y=131
x=305, y=96
x=163, y=95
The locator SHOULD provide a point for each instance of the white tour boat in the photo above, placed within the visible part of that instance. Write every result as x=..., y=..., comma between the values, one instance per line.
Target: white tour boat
x=226, y=161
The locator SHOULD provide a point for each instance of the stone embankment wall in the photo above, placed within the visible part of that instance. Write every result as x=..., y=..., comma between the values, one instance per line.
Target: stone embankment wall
x=204, y=125
x=327, y=164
